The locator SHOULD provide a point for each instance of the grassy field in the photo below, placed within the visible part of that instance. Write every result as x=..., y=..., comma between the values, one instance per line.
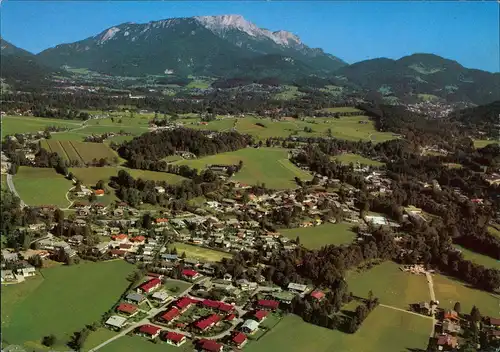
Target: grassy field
x=355, y=158
x=480, y=143
x=41, y=186
x=342, y=109
x=97, y=337
x=175, y=287
x=480, y=259
x=392, y=286
x=289, y=93
x=448, y=291
x=318, y=236
x=267, y=165
x=83, y=152
x=200, y=252
x=385, y=330
x=136, y=343
x=25, y=124
x=91, y=175
x=62, y=301
x=494, y=231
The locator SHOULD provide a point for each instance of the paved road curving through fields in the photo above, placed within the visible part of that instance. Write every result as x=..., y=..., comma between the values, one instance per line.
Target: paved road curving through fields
x=10, y=184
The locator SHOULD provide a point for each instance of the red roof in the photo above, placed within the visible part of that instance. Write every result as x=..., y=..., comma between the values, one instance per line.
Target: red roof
x=121, y=236
x=161, y=220
x=138, y=239
x=268, y=303
x=260, y=314
x=147, y=286
x=126, y=308
x=117, y=252
x=149, y=329
x=125, y=246
x=239, y=338
x=494, y=321
x=174, y=336
x=230, y=317
x=224, y=307
x=317, y=294
x=207, y=322
x=171, y=314
x=184, y=302
x=189, y=273
x=99, y=191
x=210, y=345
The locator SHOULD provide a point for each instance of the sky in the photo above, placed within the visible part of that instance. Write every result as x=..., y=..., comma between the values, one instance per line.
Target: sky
x=465, y=31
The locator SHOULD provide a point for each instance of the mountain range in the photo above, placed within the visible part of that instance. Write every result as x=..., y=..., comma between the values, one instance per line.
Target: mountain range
x=229, y=46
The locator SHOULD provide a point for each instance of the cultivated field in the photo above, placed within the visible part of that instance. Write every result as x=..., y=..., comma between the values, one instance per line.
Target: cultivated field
x=91, y=175
x=318, y=236
x=82, y=152
x=136, y=343
x=24, y=124
x=268, y=165
x=41, y=186
x=480, y=259
x=87, y=290
x=356, y=158
x=385, y=330
x=448, y=291
x=392, y=286
x=200, y=252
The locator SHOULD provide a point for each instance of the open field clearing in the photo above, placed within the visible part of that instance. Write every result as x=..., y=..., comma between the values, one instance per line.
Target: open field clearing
x=42, y=186
x=385, y=330
x=289, y=93
x=448, y=291
x=91, y=175
x=480, y=259
x=97, y=337
x=392, y=286
x=494, y=231
x=82, y=152
x=200, y=252
x=72, y=297
x=355, y=158
x=318, y=236
x=137, y=343
x=24, y=124
x=224, y=124
x=480, y=143
x=268, y=165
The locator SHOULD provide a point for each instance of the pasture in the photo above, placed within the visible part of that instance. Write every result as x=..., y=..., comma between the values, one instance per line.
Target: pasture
x=42, y=186
x=72, y=297
x=28, y=124
x=288, y=93
x=478, y=258
x=263, y=165
x=80, y=152
x=348, y=158
x=392, y=286
x=136, y=343
x=384, y=329
x=200, y=253
x=318, y=236
x=481, y=143
x=91, y=175
x=449, y=291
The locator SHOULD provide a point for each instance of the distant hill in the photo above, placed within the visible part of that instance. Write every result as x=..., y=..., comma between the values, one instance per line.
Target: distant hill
x=210, y=46
x=424, y=74
x=21, y=68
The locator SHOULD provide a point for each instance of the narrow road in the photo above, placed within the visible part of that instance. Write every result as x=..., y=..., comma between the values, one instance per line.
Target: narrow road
x=430, y=282
x=13, y=189
x=406, y=311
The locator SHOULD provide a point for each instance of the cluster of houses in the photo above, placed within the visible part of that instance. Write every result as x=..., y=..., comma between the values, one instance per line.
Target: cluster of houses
x=14, y=268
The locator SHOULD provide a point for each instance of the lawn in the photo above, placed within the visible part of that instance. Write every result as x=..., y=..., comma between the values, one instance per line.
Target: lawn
x=174, y=287
x=24, y=124
x=91, y=175
x=480, y=259
x=385, y=330
x=41, y=186
x=391, y=285
x=448, y=291
x=480, y=143
x=356, y=158
x=136, y=343
x=97, y=337
x=263, y=165
x=318, y=236
x=62, y=301
x=200, y=252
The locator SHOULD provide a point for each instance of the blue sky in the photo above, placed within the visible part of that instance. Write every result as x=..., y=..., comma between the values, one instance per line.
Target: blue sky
x=464, y=31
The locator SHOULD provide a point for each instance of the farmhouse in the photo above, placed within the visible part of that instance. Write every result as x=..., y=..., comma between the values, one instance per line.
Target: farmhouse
x=26, y=270
x=184, y=303
x=447, y=342
x=174, y=338
x=149, y=331
x=250, y=326
x=208, y=322
x=268, y=304
x=190, y=274
x=210, y=345
x=239, y=340
x=450, y=327
x=451, y=315
x=170, y=315
x=7, y=275
x=127, y=309
x=149, y=286
x=116, y=322
x=260, y=315
x=493, y=322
